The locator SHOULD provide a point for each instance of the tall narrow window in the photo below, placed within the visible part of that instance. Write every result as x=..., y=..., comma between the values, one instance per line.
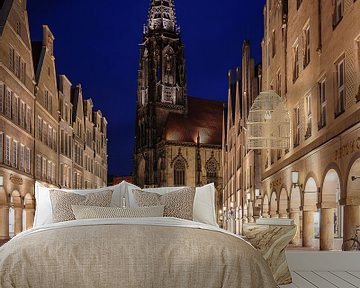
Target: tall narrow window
x=28, y=159
x=45, y=133
x=55, y=141
x=22, y=114
x=273, y=43
x=46, y=99
x=322, y=112
x=11, y=59
x=296, y=62
x=49, y=171
x=307, y=46
x=15, y=154
x=23, y=72
x=49, y=141
x=28, y=119
x=2, y=94
x=7, y=150
x=8, y=103
x=296, y=126
x=17, y=65
x=339, y=12
x=38, y=166
x=1, y=147
x=44, y=165
x=15, y=109
x=340, y=87
x=22, y=157
x=278, y=83
x=308, y=115
x=53, y=179
x=179, y=173
x=39, y=130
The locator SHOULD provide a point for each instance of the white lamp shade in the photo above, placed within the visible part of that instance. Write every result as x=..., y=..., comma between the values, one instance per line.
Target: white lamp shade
x=1, y=181
x=257, y=192
x=295, y=177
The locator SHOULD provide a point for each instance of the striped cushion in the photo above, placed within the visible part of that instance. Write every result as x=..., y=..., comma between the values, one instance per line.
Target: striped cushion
x=61, y=202
x=94, y=212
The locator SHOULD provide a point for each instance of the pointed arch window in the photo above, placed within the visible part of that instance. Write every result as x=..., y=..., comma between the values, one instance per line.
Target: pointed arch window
x=211, y=171
x=179, y=173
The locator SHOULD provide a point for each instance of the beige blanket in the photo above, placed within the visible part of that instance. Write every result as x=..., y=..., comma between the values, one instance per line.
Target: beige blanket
x=119, y=254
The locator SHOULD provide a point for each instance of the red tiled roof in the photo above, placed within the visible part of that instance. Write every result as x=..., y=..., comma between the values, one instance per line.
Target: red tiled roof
x=204, y=117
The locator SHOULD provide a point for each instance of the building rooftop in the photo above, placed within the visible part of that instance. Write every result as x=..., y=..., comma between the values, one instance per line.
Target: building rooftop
x=204, y=118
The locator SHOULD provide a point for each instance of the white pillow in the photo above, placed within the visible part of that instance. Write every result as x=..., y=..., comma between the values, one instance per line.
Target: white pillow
x=43, y=212
x=204, y=202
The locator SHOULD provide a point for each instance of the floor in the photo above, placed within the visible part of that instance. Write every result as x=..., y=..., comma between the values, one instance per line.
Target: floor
x=316, y=269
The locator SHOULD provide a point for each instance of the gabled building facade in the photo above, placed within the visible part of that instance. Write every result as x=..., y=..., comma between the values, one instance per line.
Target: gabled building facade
x=42, y=123
x=241, y=166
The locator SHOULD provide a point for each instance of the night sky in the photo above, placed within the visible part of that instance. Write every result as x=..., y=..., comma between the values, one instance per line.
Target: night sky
x=97, y=45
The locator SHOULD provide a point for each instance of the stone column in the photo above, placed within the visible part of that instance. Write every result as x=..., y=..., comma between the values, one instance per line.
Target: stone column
x=327, y=229
x=18, y=220
x=351, y=219
x=4, y=223
x=29, y=218
x=296, y=217
x=308, y=229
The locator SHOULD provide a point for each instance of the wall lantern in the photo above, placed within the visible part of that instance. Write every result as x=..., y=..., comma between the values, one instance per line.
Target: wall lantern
x=257, y=192
x=1, y=181
x=295, y=178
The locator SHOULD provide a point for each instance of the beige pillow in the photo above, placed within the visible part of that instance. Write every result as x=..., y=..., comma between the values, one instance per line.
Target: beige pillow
x=61, y=202
x=177, y=204
x=94, y=212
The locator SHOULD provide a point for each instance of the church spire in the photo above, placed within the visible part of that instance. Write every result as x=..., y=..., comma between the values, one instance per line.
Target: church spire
x=162, y=15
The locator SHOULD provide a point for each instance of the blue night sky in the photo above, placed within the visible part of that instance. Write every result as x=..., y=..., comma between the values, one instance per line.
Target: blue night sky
x=97, y=45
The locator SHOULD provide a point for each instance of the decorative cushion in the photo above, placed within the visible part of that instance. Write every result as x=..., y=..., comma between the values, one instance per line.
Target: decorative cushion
x=94, y=212
x=43, y=212
x=204, y=201
x=61, y=202
x=177, y=204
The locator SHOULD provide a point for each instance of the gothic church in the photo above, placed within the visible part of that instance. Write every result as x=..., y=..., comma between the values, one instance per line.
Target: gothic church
x=178, y=137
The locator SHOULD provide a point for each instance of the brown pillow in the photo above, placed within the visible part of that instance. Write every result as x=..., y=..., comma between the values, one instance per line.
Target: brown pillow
x=177, y=204
x=61, y=202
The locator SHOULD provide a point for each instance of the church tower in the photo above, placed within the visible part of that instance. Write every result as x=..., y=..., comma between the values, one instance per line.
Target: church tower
x=161, y=88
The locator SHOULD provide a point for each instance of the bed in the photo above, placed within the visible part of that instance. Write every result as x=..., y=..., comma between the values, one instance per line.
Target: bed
x=131, y=252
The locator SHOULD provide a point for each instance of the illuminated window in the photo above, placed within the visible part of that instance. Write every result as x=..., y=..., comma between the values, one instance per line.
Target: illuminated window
x=179, y=173
x=211, y=171
x=15, y=108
